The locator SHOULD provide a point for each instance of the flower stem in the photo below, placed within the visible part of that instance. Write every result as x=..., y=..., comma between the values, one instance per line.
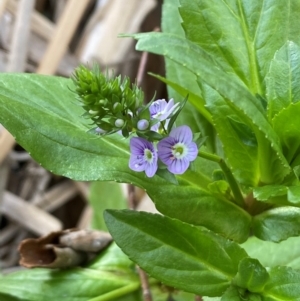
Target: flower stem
x=238, y=197
x=117, y=293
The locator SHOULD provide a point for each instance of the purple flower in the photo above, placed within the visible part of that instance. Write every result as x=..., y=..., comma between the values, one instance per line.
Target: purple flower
x=161, y=110
x=143, y=156
x=178, y=150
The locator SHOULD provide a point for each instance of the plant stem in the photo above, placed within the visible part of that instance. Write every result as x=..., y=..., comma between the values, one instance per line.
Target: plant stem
x=131, y=197
x=145, y=285
x=238, y=197
x=113, y=295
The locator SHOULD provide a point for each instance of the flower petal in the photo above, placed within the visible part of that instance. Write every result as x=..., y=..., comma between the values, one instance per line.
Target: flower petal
x=182, y=134
x=157, y=106
x=164, y=149
x=192, y=151
x=137, y=164
x=138, y=161
x=138, y=145
x=151, y=169
x=178, y=166
x=161, y=110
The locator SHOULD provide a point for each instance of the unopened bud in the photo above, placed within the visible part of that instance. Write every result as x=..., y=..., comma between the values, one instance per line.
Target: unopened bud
x=119, y=123
x=142, y=124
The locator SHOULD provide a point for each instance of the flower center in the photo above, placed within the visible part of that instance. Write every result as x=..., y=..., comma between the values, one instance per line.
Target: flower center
x=179, y=150
x=148, y=155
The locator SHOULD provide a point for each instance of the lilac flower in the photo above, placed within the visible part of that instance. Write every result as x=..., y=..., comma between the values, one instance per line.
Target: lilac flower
x=161, y=110
x=143, y=156
x=178, y=150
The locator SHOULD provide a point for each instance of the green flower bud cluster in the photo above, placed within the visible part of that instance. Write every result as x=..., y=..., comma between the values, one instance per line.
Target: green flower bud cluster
x=112, y=103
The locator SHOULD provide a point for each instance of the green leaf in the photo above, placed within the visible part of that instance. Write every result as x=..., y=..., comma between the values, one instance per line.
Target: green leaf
x=46, y=121
x=232, y=294
x=182, y=81
x=243, y=157
x=283, y=78
x=243, y=131
x=105, y=195
x=197, y=102
x=286, y=124
x=179, y=254
x=278, y=194
x=293, y=195
x=111, y=259
x=277, y=224
x=238, y=294
x=241, y=35
x=201, y=208
x=115, y=280
x=273, y=165
x=167, y=175
x=42, y=114
x=266, y=193
x=251, y=275
x=270, y=254
x=220, y=189
x=283, y=285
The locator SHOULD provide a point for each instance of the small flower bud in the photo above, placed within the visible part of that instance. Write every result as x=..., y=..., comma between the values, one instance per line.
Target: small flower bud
x=142, y=124
x=100, y=131
x=119, y=123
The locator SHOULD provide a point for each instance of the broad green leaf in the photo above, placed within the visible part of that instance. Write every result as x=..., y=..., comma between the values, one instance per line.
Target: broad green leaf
x=218, y=27
x=277, y=224
x=178, y=254
x=243, y=131
x=111, y=279
x=111, y=259
x=105, y=195
x=283, y=78
x=201, y=208
x=286, y=124
x=293, y=195
x=268, y=192
x=220, y=189
x=241, y=35
x=238, y=294
x=171, y=24
x=242, y=156
x=45, y=120
x=283, y=285
x=42, y=114
x=232, y=294
x=278, y=194
x=273, y=165
x=270, y=254
x=251, y=275
x=182, y=81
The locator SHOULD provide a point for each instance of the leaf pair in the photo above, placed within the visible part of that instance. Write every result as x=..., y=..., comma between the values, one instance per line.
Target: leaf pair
x=197, y=260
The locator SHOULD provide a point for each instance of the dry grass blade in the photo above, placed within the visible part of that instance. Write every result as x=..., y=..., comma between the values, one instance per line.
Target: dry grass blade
x=29, y=216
